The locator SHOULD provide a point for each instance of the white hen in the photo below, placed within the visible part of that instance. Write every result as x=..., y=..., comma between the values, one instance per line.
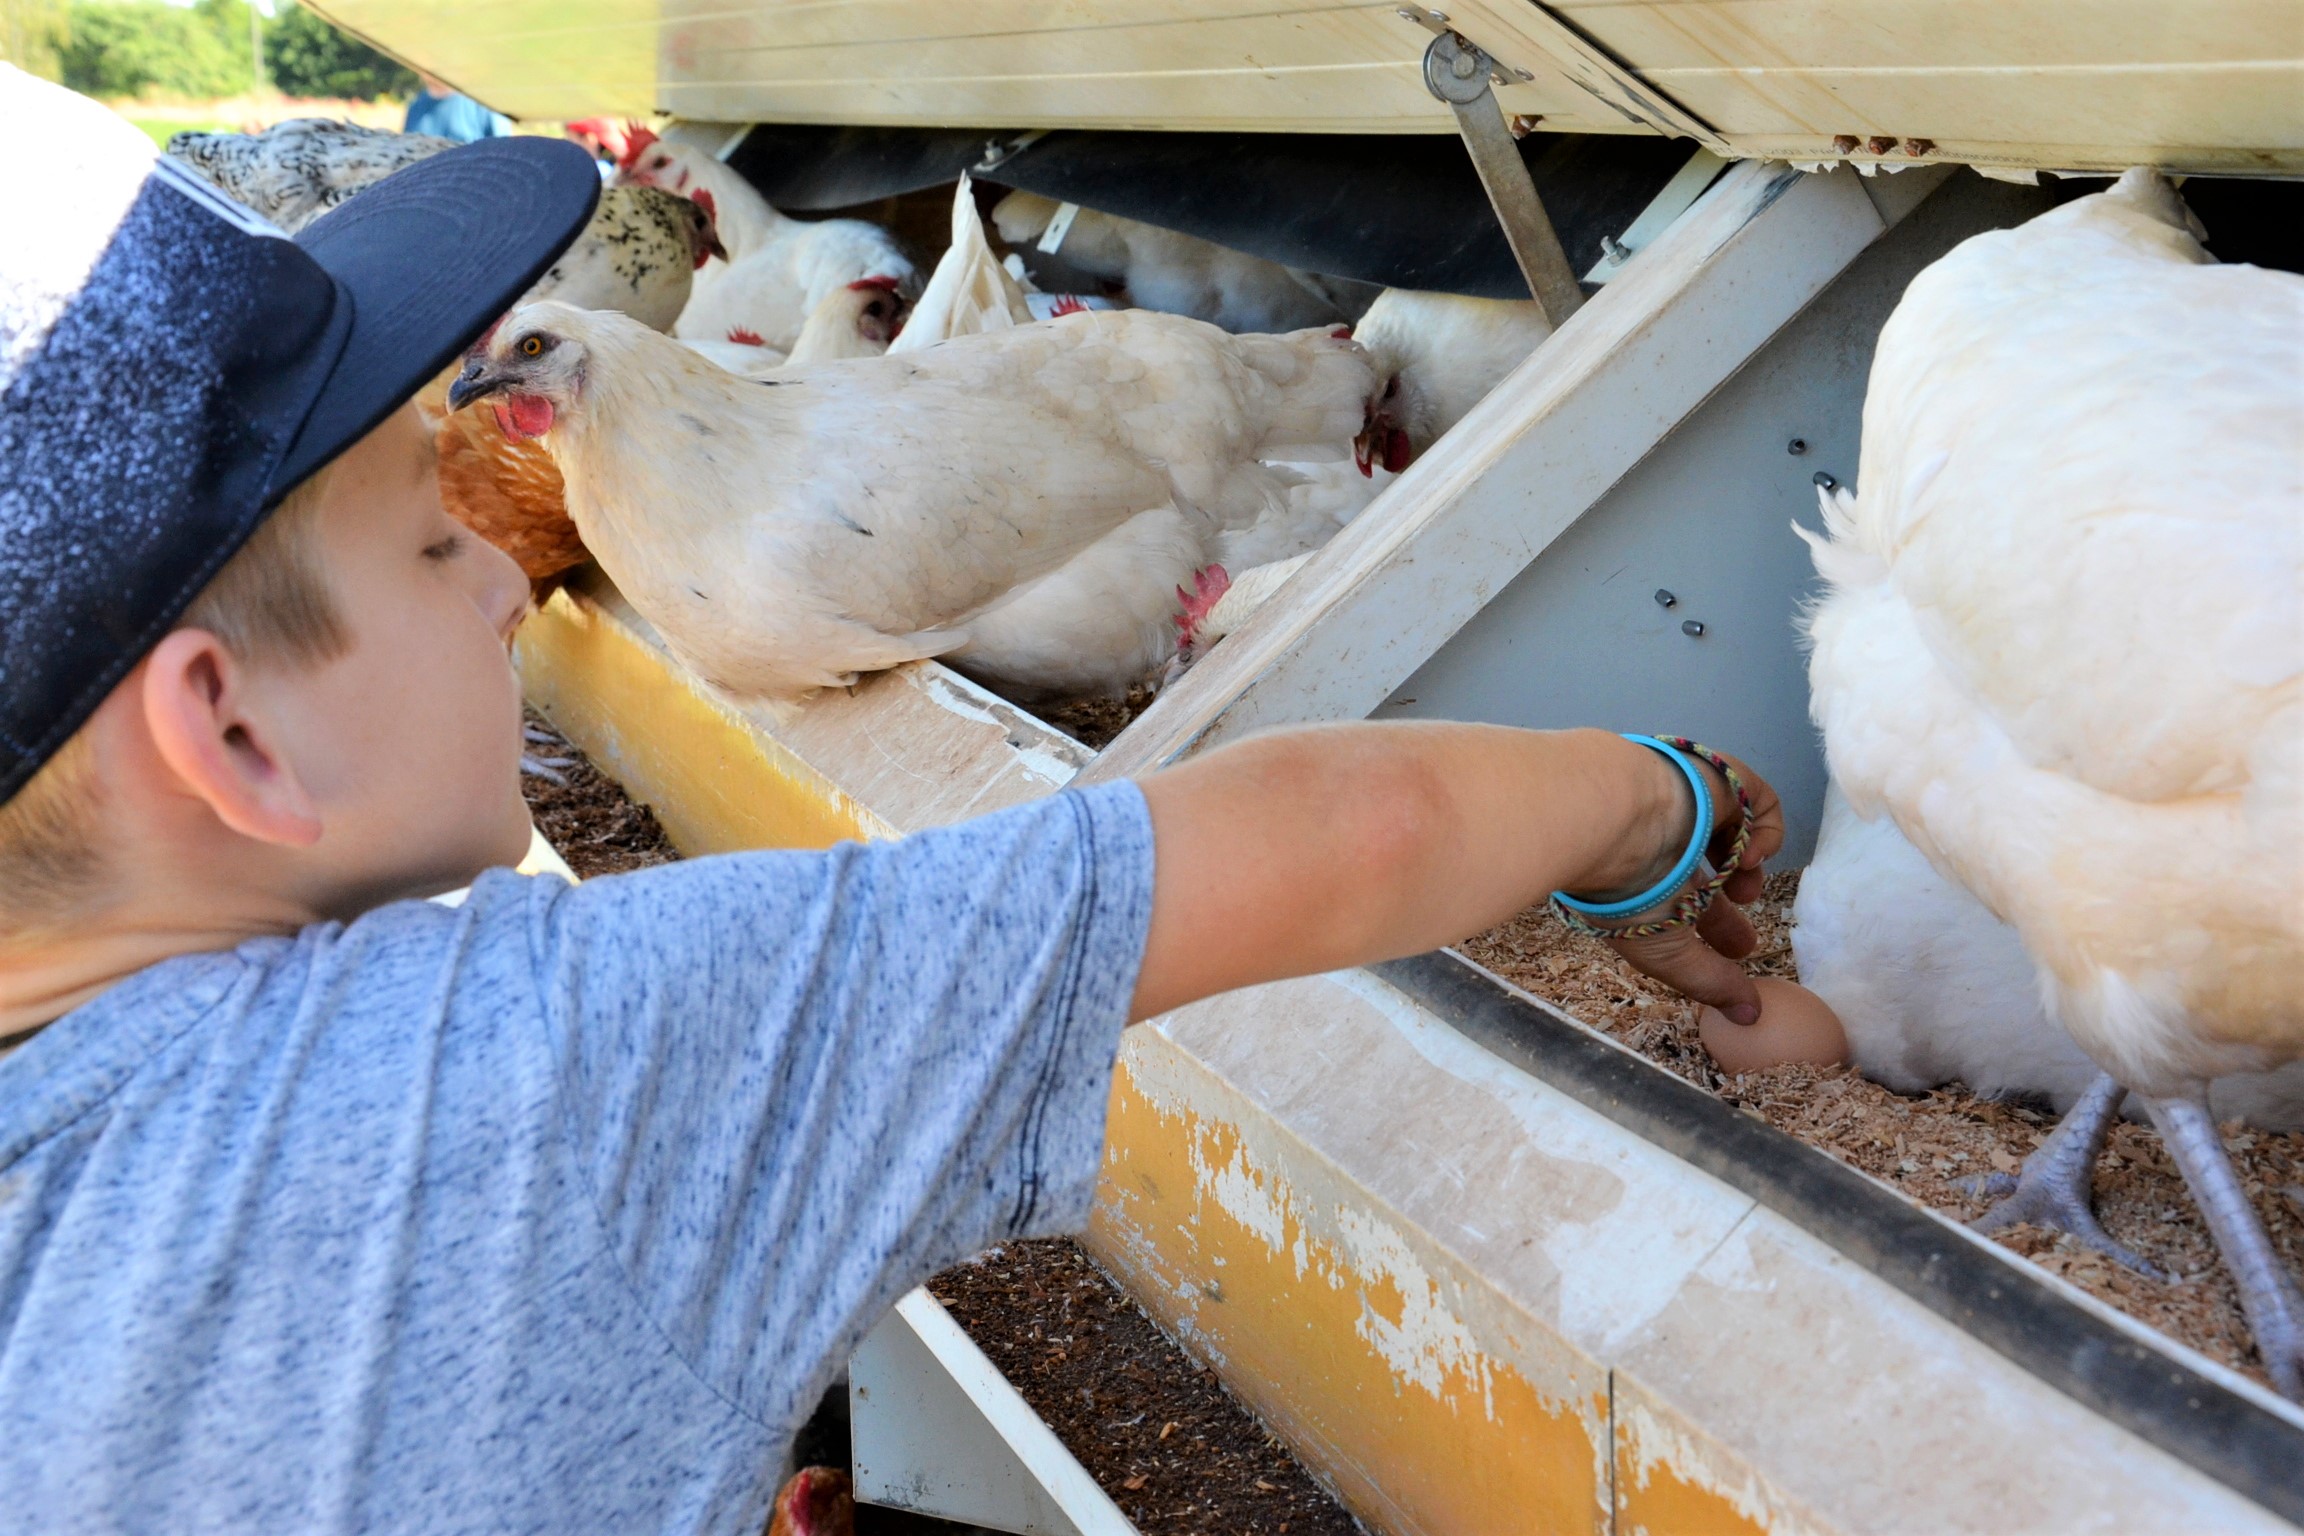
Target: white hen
x=2063, y=648
x=778, y=269
x=1181, y=274
x=1116, y=612
x=1441, y=353
x=789, y=534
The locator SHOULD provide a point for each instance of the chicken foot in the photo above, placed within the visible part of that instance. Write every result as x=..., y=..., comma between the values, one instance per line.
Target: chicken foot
x=2268, y=1295
x=2054, y=1189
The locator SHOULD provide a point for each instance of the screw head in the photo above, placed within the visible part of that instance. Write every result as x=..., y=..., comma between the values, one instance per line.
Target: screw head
x=1692, y=628
x=1796, y=447
x=1665, y=599
x=1464, y=66
x=1824, y=478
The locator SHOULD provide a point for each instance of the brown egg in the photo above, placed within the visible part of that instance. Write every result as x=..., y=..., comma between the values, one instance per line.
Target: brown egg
x=1795, y=1025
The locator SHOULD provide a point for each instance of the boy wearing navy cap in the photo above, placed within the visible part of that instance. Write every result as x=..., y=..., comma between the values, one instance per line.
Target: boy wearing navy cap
x=325, y=1209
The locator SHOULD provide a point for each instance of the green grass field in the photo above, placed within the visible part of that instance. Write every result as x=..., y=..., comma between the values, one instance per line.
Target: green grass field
x=158, y=129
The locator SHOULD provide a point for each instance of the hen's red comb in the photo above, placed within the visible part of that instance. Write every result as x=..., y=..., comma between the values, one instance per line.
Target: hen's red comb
x=1067, y=304
x=884, y=284
x=635, y=145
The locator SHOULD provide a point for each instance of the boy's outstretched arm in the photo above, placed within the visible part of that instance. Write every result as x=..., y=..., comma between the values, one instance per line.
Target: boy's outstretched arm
x=1313, y=849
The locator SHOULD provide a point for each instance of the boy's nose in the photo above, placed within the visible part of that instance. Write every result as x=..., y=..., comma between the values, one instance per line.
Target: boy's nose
x=500, y=588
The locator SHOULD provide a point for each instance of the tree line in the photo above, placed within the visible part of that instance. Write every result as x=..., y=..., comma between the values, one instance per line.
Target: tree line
x=137, y=47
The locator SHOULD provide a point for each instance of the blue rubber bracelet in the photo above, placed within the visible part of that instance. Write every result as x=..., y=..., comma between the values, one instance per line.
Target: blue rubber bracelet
x=1668, y=887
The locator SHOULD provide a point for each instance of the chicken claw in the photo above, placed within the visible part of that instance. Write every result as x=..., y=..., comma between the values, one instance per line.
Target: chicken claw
x=2053, y=1190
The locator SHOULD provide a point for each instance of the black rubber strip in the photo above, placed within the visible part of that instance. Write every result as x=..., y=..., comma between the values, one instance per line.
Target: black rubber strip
x=1403, y=210
x=2154, y=1395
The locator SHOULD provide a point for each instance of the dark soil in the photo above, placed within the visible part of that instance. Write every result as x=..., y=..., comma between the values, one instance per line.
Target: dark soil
x=598, y=829
x=1158, y=1433
x=1923, y=1144
x=1096, y=722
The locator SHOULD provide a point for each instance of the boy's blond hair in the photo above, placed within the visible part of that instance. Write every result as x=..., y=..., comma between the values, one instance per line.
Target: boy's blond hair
x=270, y=603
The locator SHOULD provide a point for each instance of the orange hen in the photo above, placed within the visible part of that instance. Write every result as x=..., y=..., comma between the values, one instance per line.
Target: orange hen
x=507, y=492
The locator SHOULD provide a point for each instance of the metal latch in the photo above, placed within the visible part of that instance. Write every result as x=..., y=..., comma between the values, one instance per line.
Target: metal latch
x=1458, y=72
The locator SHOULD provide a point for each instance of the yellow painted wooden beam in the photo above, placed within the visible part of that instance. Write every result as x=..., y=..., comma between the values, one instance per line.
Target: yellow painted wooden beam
x=716, y=783
x=1370, y=1350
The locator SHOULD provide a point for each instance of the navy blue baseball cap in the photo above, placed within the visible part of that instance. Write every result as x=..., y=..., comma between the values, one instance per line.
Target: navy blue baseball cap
x=172, y=365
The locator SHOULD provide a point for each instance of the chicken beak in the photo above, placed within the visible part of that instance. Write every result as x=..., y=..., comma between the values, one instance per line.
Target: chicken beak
x=473, y=384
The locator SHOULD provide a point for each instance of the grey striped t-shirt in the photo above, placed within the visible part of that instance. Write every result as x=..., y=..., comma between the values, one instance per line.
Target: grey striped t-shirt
x=554, y=1212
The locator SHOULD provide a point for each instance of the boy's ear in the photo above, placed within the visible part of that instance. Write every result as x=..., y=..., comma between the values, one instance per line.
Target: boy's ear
x=195, y=700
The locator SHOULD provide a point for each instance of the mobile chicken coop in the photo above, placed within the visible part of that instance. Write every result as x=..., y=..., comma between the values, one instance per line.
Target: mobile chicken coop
x=1483, y=1269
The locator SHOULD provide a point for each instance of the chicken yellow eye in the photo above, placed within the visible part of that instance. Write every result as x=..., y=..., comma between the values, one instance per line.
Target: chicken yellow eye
x=531, y=346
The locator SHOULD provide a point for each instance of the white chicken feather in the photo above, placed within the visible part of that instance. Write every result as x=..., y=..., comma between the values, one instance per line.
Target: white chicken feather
x=971, y=291
x=1933, y=989
x=789, y=534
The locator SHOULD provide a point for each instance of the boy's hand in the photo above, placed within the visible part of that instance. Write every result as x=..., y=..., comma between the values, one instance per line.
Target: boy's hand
x=1700, y=960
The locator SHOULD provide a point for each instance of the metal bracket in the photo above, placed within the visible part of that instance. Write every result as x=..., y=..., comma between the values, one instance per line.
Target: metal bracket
x=1458, y=72
x=995, y=151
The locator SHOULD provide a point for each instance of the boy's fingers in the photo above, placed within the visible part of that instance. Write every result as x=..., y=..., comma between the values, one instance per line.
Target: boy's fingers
x=1727, y=928
x=1684, y=962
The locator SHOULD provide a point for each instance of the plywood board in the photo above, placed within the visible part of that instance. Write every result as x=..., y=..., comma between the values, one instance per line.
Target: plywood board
x=2102, y=84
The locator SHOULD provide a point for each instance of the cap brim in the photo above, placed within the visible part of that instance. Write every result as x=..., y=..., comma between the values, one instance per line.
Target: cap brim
x=430, y=257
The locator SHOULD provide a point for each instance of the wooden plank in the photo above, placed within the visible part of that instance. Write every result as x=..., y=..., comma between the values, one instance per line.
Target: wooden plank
x=937, y=1429
x=915, y=747
x=1529, y=460
x=1518, y=28
x=1126, y=63
x=2091, y=84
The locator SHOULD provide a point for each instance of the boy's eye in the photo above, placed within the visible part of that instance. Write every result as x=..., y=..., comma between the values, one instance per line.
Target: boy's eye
x=445, y=549
x=532, y=346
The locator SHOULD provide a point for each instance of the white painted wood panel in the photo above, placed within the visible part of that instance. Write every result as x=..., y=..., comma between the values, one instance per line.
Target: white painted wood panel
x=2203, y=85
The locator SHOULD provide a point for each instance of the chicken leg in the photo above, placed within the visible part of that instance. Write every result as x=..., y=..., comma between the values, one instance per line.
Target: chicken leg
x=2267, y=1293
x=2054, y=1189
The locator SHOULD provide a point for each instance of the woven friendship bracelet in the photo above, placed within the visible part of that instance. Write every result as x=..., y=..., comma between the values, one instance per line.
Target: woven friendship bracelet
x=1682, y=898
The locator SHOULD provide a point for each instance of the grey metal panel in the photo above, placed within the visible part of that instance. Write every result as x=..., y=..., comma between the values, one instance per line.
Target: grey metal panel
x=1579, y=638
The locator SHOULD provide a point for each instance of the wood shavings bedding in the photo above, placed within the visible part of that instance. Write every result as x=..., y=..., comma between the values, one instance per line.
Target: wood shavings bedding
x=1922, y=1144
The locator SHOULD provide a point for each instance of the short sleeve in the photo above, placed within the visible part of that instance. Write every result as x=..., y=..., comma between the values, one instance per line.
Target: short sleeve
x=799, y=1083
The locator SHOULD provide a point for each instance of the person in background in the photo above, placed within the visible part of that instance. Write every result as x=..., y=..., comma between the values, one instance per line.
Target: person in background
x=445, y=112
